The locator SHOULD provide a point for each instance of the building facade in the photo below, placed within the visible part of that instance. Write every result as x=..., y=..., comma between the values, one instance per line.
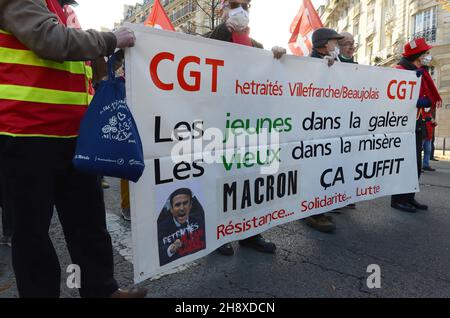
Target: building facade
x=187, y=16
x=381, y=29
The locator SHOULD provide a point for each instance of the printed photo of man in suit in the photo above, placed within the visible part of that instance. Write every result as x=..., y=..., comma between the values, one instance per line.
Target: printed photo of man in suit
x=181, y=227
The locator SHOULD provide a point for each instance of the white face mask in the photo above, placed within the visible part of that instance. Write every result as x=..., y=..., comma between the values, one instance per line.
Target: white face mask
x=337, y=50
x=335, y=53
x=240, y=18
x=427, y=60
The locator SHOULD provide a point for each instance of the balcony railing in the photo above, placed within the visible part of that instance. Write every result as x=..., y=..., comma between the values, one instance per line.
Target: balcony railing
x=429, y=35
x=182, y=12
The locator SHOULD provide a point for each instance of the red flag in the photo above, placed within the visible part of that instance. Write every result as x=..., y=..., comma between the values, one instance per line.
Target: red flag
x=304, y=24
x=72, y=20
x=158, y=18
x=54, y=6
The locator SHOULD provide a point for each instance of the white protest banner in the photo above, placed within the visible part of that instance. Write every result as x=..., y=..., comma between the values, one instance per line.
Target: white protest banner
x=316, y=138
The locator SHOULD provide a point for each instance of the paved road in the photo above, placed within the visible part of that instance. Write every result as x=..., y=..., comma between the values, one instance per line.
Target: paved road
x=412, y=250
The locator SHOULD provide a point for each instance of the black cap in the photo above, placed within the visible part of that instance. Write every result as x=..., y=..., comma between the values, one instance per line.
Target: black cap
x=321, y=37
x=68, y=2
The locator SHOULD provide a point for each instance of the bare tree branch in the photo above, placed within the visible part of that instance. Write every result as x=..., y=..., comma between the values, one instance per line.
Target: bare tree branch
x=210, y=9
x=202, y=26
x=203, y=9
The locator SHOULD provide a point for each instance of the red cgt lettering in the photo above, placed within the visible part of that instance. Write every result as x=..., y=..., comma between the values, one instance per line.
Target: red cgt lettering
x=182, y=64
x=402, y=89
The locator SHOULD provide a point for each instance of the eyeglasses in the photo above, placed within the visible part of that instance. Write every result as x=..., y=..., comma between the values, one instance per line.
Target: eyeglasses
x=349, y=44
x=235, y=5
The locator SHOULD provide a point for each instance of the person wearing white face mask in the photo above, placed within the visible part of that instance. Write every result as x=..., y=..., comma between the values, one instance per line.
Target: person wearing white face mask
x=238, y=17
x=234, y=29
x=325, y=46
x=417, y=58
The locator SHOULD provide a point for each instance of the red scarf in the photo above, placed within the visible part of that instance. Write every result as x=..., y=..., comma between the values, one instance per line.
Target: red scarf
x=429, y=89
x=241, y=38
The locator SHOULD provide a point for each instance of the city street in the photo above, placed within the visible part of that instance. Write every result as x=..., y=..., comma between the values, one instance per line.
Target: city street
x=233, y=117
x=412, y=250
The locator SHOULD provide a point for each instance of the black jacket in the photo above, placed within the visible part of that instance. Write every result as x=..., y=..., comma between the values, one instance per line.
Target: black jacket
x=345, y=60
x=316, y=54
x=222, y=33
x=420, y=123
x=191, y=235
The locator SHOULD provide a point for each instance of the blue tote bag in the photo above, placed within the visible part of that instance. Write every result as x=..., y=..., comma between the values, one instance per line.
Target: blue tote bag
x=109, y=142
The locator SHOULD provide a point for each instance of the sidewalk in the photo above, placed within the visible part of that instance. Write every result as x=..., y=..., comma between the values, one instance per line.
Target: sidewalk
x=439, y=154
x=412, y=250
